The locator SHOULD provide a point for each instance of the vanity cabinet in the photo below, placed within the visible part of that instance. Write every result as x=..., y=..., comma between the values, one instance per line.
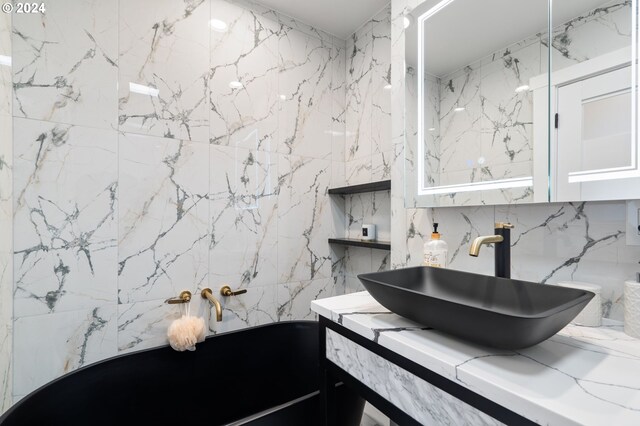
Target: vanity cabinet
x=403, y=390
x=418, y=375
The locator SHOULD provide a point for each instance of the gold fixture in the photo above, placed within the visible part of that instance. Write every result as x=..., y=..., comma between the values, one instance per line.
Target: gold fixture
x=226, y=291
x=208, y=294
x=503, y=225
x=184, y=297
x=474, y=250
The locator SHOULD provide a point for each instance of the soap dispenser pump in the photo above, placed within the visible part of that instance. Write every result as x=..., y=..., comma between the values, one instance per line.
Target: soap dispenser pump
x=435, y=250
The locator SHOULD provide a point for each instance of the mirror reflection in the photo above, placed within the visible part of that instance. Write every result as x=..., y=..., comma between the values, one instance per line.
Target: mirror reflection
x=594, y=153
x=484, y=88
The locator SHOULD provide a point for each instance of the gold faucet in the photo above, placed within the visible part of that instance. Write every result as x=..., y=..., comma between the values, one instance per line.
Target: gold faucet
x=474, y=250
x=208, y=294
x=226, y=291
x=184, y=297
x=502, y=253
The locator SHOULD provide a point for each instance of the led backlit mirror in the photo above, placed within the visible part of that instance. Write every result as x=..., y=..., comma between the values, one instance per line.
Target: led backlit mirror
x=484, y=82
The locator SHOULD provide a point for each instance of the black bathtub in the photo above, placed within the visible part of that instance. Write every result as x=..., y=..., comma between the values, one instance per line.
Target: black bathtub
x=265, y=375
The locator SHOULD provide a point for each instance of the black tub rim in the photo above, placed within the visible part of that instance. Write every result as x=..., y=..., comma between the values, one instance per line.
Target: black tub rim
x=16, y=406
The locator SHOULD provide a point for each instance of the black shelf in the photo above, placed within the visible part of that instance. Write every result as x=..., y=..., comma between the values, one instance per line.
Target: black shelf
x=382, y=245
x=382, y=185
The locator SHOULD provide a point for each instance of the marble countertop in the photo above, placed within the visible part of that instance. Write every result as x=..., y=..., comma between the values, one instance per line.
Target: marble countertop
x=580, y=376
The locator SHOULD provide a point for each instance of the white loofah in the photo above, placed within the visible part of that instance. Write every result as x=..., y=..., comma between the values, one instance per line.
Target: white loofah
x=185, y=332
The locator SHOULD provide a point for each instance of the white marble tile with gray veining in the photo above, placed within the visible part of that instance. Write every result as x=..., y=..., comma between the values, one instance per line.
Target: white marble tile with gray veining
x=359, y=57
x=304, y=216
x=574, y=242
x=282, y=19
x=65, y=64
x=65, y=209
x=381, y=83
x=6, y=216
x=338, y=111
x=6, y=318
x=66, y=341
x=243, y=243
x=591, y=34
x=305, y=113
x=6, y=60
x=294, y=299
x=433, y=141
x=358, y=171
x=158, y=95
x=163, y=217
x=381, y=164
x=507, y=106
x=243, y=78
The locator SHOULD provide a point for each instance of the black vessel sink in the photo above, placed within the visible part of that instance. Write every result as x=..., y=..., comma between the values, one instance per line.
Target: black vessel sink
x=498, y=312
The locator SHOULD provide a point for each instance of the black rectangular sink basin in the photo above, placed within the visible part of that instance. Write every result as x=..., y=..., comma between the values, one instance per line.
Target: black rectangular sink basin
x=498, y=312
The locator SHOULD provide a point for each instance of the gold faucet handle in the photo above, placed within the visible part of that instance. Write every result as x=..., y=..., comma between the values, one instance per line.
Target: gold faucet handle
x=504, y=225
x=226, y=291
x=184, y=297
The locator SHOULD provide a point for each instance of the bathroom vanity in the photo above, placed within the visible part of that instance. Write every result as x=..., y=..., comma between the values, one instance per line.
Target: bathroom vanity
x=417, y=375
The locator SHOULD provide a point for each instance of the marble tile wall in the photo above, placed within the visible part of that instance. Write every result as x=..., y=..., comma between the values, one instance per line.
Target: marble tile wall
x=368, y=150
x=551, y=242
x=6, y=213
x=122, y=199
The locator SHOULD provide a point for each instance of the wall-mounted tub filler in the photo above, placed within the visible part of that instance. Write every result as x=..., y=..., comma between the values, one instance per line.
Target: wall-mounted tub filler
x=206, y=293
x=226, y=291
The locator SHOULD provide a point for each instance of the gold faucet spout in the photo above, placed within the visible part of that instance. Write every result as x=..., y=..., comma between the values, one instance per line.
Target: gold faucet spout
x=474, y=250
x=208, y=294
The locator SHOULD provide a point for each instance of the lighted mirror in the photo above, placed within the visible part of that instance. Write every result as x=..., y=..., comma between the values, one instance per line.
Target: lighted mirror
x=484, y=82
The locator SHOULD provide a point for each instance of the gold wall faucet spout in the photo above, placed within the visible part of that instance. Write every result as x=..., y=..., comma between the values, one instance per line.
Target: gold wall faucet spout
x=208, y=294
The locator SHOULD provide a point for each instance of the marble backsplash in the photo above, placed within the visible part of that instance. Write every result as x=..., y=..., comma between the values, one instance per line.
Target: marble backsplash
x=550, y=243
x=123, y=199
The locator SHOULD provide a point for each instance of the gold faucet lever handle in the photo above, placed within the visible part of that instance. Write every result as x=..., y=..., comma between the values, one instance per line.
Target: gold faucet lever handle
x=184, y=297
x=504, y=225
x=226, y=291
